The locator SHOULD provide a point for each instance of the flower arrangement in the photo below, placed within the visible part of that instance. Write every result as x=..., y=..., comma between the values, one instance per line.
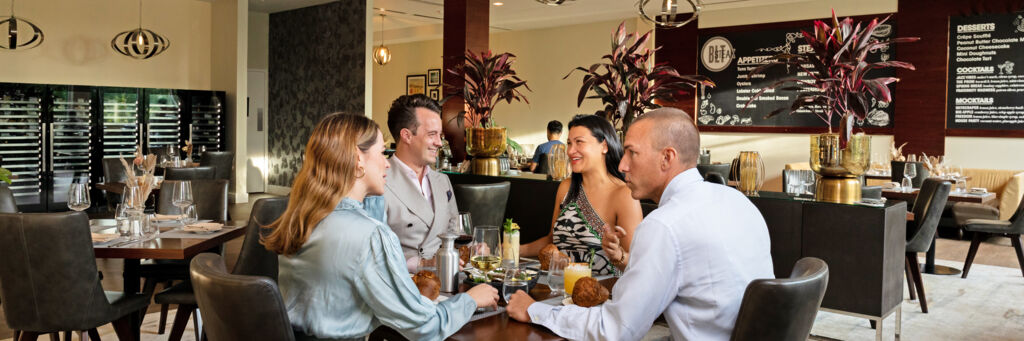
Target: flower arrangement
x=488, y=80
x=145, y=163
x=838, y=67
x=627, y=83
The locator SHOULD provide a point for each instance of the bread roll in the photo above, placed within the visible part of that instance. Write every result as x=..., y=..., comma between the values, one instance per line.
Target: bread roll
x=428, y=283
x=588, y=292
x=546, y=254
x=464, y=254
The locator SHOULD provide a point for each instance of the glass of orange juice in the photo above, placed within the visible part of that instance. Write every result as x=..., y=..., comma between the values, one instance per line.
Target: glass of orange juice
x=573, y=272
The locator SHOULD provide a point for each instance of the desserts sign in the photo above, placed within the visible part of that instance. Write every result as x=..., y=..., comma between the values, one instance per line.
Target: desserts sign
x=984, y=86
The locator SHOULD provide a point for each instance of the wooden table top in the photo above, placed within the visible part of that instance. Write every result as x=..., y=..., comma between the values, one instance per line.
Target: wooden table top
x=165, y=248
x=953, y=196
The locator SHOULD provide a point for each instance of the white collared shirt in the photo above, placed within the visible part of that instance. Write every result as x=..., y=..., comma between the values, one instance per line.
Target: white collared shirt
x=422, y=186
x=691, y=260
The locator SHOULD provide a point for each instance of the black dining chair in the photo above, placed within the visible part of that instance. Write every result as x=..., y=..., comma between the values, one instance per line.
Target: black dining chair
x=50, y=281
x=113, y=171
x=8, y=204
x=253, y=260
x=717, y=178
x=190, y=173
x=928, y=206
x=221, y=162
x=782, y=309
x=720, y=168
x=238, y=307
x=485, y=202
x=984, y=228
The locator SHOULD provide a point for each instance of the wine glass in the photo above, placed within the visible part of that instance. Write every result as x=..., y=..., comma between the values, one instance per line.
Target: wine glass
x=485, y=250
x=556, y=274
x=182, y=197
x=515, y=279
x=78, y=197
x=466, y=222
x=909, y=172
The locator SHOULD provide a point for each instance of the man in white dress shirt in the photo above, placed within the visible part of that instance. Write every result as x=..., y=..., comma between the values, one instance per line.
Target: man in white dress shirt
x=691, y=258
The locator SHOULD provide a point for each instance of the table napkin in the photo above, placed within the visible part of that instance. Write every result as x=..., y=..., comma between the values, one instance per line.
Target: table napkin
x=167, y=217
x=203, y=227
x=103, y=237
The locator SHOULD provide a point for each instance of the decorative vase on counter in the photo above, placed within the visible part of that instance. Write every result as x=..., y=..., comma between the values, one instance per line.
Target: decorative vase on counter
x=840, y=168
x=749, y=172
x=485, y=145
x=558, y=163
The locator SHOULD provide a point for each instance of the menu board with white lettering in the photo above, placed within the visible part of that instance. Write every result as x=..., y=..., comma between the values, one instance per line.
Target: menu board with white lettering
x=729, y=58
x=985, y=91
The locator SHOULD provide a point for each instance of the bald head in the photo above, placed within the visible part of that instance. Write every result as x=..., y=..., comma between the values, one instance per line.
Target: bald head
x=674, y=129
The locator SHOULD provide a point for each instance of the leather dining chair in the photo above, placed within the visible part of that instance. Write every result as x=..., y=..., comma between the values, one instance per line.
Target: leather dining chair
x=784, y=308
x=984, y=228
x=113, y=171
x=210, y=198
x=50, y=281
x=928, y=206
x=190, y=173
x=221, y=162
x=7, y=201
x=238, y=307
x=717, y=178
x=485, y=202
x=720, y=168
x=253, y=260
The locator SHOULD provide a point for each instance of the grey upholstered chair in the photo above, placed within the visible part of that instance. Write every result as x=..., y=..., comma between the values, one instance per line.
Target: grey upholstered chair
x=190, y=173
x=50, y=281
x=871, y=192
x=210, y=198
x=715, y=177
x=113, y=171
x=221, y=162
x=720, y=168
x=238, y=307
x=7, y=201
x=784, y=308
x=984, y=228
x=253, y=260
x=928, y=206
x=897, y=173
x=485, y=202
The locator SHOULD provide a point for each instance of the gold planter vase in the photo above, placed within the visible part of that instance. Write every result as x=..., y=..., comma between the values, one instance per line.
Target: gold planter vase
x=839, y=168
x=485, y=144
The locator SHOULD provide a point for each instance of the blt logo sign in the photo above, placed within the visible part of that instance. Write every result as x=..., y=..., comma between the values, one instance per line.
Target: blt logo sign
x=716, y=54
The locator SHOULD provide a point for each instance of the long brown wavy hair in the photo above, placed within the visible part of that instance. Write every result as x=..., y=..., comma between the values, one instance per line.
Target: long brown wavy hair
x=328, y=173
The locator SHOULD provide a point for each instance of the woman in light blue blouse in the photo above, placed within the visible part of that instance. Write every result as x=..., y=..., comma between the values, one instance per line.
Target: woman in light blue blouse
x=342, y=272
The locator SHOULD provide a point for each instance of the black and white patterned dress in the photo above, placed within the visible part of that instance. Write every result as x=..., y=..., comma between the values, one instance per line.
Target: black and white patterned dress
x=578, y=230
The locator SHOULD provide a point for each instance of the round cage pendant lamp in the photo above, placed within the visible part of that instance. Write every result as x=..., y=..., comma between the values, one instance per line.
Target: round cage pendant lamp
x=669, y=15
x=140, y=43
x=21, y=34
x=381, y=53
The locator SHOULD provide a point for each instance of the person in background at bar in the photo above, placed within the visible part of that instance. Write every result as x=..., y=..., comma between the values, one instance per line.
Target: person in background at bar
x=554, y=134
x=342, y=273
x=420, y=201
x=595, y=196
x=693, y=256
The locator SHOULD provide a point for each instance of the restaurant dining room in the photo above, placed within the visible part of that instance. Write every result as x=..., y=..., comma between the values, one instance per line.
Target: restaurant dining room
x=511, y=170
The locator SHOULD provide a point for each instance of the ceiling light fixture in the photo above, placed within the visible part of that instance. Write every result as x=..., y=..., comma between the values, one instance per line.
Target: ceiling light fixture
x=24, y=40
x=499, y=3
x=381, y=54
x=140, y=43
x=669, y=16
x=554, y=2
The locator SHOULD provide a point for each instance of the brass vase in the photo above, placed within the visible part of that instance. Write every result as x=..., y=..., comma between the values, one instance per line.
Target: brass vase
x=839, y=168
x=485, y=144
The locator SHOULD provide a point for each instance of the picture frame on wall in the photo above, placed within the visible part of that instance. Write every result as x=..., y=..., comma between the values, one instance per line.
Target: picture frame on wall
x=435, y=94
x=416, y=84
x=434, y=77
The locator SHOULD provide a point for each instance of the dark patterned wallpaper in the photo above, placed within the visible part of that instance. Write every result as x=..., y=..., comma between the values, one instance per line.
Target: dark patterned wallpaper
x=316, y=68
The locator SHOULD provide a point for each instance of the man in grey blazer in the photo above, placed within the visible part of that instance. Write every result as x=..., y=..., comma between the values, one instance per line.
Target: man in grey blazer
x=420, y=201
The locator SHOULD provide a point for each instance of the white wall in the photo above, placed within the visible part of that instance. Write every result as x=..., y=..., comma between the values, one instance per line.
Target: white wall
x=259, y=40
x=229, y=53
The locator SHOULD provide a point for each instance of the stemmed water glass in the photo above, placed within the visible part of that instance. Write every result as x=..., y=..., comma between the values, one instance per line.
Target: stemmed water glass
x=182, y=197
x=909, y=173
x=78, y=197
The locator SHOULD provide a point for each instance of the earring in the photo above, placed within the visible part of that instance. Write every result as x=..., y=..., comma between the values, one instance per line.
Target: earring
x=362, y=172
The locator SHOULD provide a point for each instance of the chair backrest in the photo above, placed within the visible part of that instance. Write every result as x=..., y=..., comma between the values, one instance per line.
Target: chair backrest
x=897, y=172
x=48, y=271
x=7, y=202
x=113, y=171
x=210, y=198
x=871, y=192
x=928, y=206
x=783, y=309
x=190, y=173
x=238, y=307
x=1017, y=219
x=254, y=259
x=485, y=202
x=222, y=163
x=720, y=168
x=715, y=177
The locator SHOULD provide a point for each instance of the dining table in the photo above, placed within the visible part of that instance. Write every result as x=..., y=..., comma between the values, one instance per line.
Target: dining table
x=170, y=243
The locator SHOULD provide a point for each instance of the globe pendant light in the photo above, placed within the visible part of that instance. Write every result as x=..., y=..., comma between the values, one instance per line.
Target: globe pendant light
x=381, y=54
x=140, y=43
x=669, y=15
x=21, y=34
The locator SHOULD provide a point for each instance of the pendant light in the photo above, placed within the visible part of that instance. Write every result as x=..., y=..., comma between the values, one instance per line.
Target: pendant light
x=381, y=54
x=669, y=15
x=554, y=2
x=140, y=43
x=21, y=34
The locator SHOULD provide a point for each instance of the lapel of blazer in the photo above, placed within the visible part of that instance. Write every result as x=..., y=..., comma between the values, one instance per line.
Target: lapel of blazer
x=441, y=201
x=408, y=193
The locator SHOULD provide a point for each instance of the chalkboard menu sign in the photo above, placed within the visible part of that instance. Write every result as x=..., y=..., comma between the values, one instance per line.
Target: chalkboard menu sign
x=984, y=89
x=729, y=58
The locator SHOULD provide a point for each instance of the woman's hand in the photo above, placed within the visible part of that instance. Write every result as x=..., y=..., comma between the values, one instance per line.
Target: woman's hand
x=610, y=243
x=485, y=295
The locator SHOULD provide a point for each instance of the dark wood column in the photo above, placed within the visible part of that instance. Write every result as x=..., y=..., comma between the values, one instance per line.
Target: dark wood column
x=678, y=48
x=466, y=27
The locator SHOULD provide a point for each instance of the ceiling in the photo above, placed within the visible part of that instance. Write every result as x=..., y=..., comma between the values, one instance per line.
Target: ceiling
x=410, y=20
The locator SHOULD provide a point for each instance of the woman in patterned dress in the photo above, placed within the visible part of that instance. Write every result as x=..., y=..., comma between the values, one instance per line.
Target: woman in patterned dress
x=594, y=201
